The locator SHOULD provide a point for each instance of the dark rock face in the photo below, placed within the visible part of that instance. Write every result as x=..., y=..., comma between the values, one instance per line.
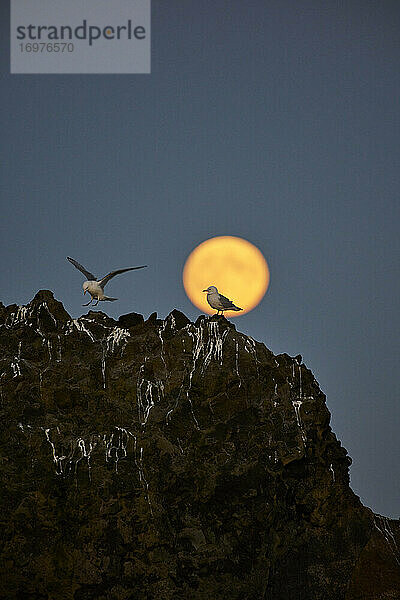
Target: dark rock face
x=172, y=460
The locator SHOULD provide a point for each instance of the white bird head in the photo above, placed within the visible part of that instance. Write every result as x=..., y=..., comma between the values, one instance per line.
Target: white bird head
x=211, y=290
x=85, y=287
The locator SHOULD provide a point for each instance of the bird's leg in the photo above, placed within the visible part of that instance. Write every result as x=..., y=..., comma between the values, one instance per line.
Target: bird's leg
x=87, y=303
x=96, y=302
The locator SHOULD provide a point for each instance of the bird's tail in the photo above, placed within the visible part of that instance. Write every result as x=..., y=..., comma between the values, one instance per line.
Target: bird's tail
x=109, y=299
x=235, y=308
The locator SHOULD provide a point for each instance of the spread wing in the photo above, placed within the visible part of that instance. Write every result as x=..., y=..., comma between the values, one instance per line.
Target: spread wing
x=87, y=274
x=226, y=303
x=107, y=278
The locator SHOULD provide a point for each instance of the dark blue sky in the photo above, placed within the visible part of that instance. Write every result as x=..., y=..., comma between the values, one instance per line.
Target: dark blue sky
x=274, y=121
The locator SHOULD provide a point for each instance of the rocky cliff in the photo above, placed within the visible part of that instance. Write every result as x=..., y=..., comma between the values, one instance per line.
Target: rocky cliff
x=173, y=460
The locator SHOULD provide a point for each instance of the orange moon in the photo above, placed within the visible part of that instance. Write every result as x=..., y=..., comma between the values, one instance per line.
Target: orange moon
x=234, y=265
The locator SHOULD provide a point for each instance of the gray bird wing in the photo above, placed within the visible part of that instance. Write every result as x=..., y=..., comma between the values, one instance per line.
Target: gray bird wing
x=107, y=278
x=87, y=274
x=226, y=303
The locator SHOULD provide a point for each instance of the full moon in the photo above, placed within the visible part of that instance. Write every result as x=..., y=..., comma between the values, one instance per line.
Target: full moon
x=234, y=265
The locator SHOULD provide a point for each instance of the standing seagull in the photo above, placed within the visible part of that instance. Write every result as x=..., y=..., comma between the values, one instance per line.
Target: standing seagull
x=218, y=301
x=95, y=286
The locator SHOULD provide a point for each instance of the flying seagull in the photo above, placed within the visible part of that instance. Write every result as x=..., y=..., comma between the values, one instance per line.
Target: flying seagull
x=95, y=286
x=218, y=301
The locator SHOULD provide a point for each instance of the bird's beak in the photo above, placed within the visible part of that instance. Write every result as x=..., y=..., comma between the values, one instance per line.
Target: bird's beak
x=205, y=290
x=84, y=292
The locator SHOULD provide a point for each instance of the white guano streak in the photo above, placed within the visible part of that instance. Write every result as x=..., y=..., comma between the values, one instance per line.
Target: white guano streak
x=237, y=361
x=81, y=328
x=142, y=477
x=112, y=341
x=161, y=330
x=144, y=395
x=15, y=366
x=297, y=405
x=116, y=445
x=210, y=348
x=250, y=348
x=383, y=526
x=17, y=317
